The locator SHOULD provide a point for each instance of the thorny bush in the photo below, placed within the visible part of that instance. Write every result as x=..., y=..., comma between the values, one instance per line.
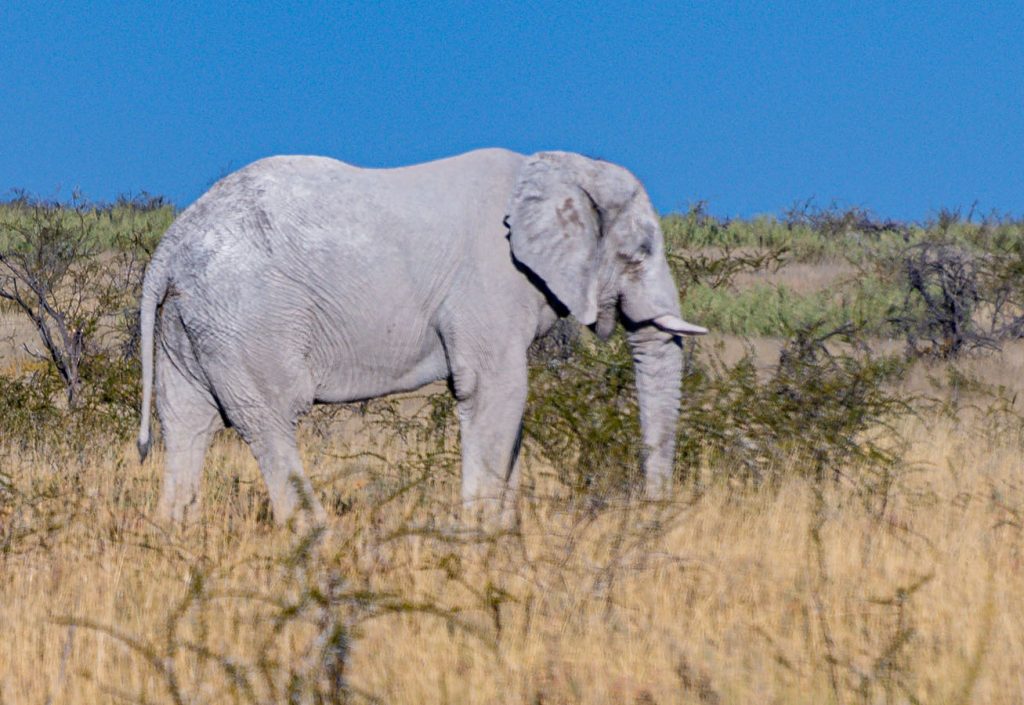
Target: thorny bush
x=823, y=406
x=74, y=271
x=957, y=299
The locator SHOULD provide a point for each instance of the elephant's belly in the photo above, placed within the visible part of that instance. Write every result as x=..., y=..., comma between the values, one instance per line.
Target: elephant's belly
x=380, y=372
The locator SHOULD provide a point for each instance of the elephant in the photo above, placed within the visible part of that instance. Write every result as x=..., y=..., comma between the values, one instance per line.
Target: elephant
x=301, y=280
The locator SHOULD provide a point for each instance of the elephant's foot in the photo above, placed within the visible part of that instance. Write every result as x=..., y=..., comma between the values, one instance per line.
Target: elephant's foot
x=491, y=514
x=297, y=506
x=178, y=508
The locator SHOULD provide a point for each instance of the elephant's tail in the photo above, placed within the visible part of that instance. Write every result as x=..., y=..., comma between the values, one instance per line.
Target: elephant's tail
x=154, y=288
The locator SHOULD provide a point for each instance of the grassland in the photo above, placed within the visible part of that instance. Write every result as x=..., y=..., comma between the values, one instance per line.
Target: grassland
x=788, y=590
x=723, y=595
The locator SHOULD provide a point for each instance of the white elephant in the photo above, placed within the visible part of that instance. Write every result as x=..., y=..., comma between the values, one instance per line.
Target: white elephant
x=301, y=280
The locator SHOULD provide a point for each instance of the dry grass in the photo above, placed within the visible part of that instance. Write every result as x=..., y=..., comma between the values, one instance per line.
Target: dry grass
x=16, y=332
x=800, y=277
x=726, y=595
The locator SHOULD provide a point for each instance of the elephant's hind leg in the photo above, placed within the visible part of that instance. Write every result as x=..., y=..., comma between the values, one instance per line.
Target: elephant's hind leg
x=188, y=418
x=263, y=402
x=291, y=493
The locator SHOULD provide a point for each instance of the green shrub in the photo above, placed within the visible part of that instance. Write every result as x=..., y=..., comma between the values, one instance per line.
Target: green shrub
x=769, y=310
x=812, y=233
x=27, y=409
x=109, y=224
x=74, y=271
x=34, y=412
x=582, y=416
x=814, y=414
x=825, y=407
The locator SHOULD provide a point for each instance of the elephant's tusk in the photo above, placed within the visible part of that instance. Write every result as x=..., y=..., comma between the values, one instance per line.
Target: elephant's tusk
x=677, y=326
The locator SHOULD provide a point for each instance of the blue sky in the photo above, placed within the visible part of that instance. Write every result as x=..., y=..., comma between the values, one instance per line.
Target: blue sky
x=901, y=107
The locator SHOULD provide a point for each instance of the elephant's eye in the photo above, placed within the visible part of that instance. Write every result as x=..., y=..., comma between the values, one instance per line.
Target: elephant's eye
x=642, y=252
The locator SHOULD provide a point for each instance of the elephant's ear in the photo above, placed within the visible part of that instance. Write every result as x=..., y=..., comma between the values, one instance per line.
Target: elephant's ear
x=555, y=229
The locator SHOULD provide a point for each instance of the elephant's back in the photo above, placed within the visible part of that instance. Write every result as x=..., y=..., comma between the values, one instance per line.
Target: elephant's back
x=293, y=223
x=289, y=195
x=321, y=190
x=318, y=188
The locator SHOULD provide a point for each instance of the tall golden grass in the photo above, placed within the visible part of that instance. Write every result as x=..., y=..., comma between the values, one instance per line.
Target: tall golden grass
x=726, y=594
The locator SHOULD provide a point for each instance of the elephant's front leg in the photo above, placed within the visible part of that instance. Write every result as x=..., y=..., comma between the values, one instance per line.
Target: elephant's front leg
x=491, y=403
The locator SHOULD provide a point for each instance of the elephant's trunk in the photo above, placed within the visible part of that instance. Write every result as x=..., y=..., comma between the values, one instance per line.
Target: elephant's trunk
x=658, y=358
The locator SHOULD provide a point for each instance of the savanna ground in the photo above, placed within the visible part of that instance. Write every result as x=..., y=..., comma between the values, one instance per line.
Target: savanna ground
x=846, y=525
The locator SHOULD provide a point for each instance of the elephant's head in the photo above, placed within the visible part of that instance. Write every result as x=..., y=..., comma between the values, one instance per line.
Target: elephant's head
x=588, y=230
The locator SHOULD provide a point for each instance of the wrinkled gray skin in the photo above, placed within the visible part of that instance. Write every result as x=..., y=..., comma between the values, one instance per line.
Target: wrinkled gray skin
x=300, y=280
